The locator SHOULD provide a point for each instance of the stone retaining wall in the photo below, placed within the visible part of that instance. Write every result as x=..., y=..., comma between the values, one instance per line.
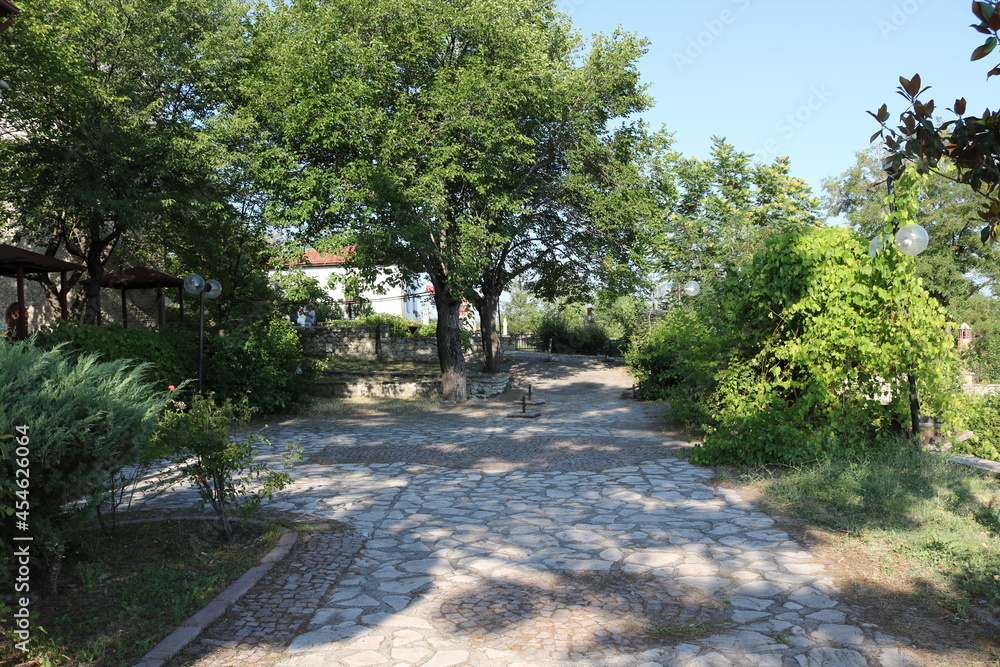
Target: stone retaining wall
x=374, y=343
x=981, y=389
x=370, y=342
x=478, y=386
x=970, y=386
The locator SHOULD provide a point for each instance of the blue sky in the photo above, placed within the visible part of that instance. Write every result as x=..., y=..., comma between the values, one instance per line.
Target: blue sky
x=794, y=78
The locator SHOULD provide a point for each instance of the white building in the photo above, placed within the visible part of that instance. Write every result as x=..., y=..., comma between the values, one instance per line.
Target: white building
x=391, y=295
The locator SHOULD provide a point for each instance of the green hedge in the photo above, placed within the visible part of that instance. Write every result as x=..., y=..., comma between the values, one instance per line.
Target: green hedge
x=260, y=359
x=171, y=353
x=399, y=327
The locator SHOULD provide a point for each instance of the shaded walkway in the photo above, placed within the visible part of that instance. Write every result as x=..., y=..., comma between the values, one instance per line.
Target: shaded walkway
x=578, y=537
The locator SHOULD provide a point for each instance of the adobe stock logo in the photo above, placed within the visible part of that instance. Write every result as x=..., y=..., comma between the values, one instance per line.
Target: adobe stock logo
x=900, y=16
x=713, y=30
x=795, y=120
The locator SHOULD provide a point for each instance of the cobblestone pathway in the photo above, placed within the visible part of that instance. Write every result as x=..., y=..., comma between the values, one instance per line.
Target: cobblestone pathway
x=475, y=539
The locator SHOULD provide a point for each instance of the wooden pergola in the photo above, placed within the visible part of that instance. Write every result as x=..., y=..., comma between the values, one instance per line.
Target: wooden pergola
x=8, y=10
x=142, y=278
x=26, y=265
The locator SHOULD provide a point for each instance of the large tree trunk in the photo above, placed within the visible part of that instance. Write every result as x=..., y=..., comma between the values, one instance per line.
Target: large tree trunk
x=488, y=305
x=97, y=251
x=95, y=269
x=450, y=354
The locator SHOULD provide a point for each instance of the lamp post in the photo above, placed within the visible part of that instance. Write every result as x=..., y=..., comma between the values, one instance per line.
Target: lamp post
x=910, y=240
x=690, y=288
x=195, y=284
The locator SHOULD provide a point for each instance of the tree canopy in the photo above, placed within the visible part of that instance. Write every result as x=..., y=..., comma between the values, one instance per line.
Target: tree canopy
x=726, y=207
x=449, y=138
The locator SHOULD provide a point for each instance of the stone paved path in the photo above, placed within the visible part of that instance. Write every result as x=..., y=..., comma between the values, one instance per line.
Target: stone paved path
x=578, y=537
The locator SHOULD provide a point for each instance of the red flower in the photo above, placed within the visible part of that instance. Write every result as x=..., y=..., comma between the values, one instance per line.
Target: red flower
x=171, y=387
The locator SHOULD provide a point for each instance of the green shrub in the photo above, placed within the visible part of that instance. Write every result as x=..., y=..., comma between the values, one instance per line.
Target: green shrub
x=262, y=361
x=172, y=354
x=570, y=338
x=220, y=467
x=821, y=330
x=793, y=358
x=626, y=319
x=79, y=418
x=678, y=362
x=398, y=325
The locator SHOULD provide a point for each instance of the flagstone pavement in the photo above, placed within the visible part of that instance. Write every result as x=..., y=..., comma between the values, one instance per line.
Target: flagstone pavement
x=473, y=538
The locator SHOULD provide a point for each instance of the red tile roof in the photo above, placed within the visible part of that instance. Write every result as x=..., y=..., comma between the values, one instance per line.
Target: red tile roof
x=316, y=258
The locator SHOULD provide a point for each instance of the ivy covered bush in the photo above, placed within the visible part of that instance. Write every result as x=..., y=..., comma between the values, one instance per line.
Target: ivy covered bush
x=821, y=332
x=78, y=418
x=806, y=339
x=262, y=361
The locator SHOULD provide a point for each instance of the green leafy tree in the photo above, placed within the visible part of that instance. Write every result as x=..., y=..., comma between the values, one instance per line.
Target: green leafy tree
x=524, y=311
x=725, y=208
x=417, y=130
x=982, y=357
x=626, y=317
x=104, y=140
x=585, y=223
x=299, y=289
x=234, y=251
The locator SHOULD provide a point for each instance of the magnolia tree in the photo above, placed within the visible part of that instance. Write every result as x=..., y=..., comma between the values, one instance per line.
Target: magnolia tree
x=967, y=142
